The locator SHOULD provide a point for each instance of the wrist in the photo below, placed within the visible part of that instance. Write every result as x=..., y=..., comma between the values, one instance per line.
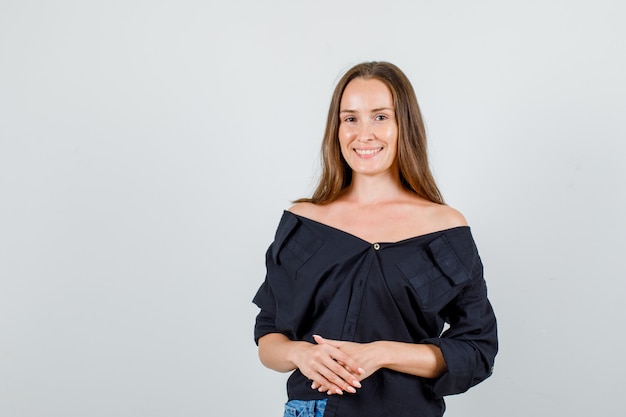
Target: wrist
x=295, y=351
x=382, y=353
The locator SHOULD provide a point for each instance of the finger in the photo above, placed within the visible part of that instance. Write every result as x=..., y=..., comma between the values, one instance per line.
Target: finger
x=327, y=374
x=320, y=340
x=324, y=379
x=330, y=390
x=345, y=361
x=349, y=365
x=326, y=386
x=340, y=377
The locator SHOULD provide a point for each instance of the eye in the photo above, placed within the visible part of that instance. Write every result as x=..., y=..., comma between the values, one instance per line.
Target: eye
x=380, y=117
x=349, y=119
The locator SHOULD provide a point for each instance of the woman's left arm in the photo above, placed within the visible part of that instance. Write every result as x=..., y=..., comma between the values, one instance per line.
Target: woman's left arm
x=460, y=358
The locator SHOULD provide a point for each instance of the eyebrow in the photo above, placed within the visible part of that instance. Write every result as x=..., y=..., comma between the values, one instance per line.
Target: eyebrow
x=373, y=110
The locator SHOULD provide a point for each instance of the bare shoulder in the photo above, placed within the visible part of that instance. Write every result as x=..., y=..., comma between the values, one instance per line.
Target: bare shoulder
x=449, y=217
x=440, y=216
x=322, y=213
x=304, y=209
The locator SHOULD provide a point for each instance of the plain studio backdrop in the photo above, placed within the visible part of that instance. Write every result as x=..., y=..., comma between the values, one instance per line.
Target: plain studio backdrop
x=148, y=148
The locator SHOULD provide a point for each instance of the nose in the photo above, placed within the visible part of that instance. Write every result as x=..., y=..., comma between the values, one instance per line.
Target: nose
x=366, y=132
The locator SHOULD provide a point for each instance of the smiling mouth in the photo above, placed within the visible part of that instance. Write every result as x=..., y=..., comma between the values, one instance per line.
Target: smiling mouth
x=368, y=152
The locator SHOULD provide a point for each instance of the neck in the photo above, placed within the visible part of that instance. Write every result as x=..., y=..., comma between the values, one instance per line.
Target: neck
x=366, y=189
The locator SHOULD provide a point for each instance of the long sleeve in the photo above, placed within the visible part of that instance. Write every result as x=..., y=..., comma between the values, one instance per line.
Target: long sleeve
x=470, y=345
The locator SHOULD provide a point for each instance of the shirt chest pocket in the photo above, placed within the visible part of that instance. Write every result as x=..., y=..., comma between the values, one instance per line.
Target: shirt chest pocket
x=294, y=246
x=436, y=274
x=297, y=251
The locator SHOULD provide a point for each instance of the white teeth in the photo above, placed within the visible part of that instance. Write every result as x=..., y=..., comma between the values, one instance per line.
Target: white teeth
x=367, y=151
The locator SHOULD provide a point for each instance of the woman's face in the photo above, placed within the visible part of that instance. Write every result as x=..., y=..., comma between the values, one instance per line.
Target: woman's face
x=368, y=131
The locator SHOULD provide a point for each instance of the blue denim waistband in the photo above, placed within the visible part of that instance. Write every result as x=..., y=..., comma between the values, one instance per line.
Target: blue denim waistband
x=299, y=408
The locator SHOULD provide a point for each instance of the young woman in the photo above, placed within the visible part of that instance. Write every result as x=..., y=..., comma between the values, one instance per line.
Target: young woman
x=374, y=295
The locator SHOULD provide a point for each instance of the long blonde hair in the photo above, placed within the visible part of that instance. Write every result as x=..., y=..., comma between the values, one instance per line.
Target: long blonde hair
x=415, y=173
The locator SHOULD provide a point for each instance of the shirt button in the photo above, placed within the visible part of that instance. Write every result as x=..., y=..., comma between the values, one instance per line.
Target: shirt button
x=376, y=246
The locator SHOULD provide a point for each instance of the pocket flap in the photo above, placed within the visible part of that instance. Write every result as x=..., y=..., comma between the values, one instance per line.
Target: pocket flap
x=447, y=260
x=287, y=223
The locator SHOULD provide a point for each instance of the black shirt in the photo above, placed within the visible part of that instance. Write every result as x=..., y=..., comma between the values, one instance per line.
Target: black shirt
x=322, y=280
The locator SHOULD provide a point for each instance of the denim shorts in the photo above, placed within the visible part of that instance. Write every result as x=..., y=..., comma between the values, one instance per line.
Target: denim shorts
x=299, y=408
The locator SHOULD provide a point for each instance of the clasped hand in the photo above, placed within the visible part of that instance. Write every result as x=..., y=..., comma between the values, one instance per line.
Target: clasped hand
x=336, y=366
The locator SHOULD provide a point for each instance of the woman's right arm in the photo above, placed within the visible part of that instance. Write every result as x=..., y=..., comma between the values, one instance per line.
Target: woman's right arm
x=325, y=365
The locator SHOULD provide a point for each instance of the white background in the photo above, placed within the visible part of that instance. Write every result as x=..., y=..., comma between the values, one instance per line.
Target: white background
x=147, y=149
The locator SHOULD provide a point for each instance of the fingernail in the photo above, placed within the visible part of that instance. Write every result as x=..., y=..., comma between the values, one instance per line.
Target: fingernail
x=351, y=389
x=356, y=383
x=361, y=370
